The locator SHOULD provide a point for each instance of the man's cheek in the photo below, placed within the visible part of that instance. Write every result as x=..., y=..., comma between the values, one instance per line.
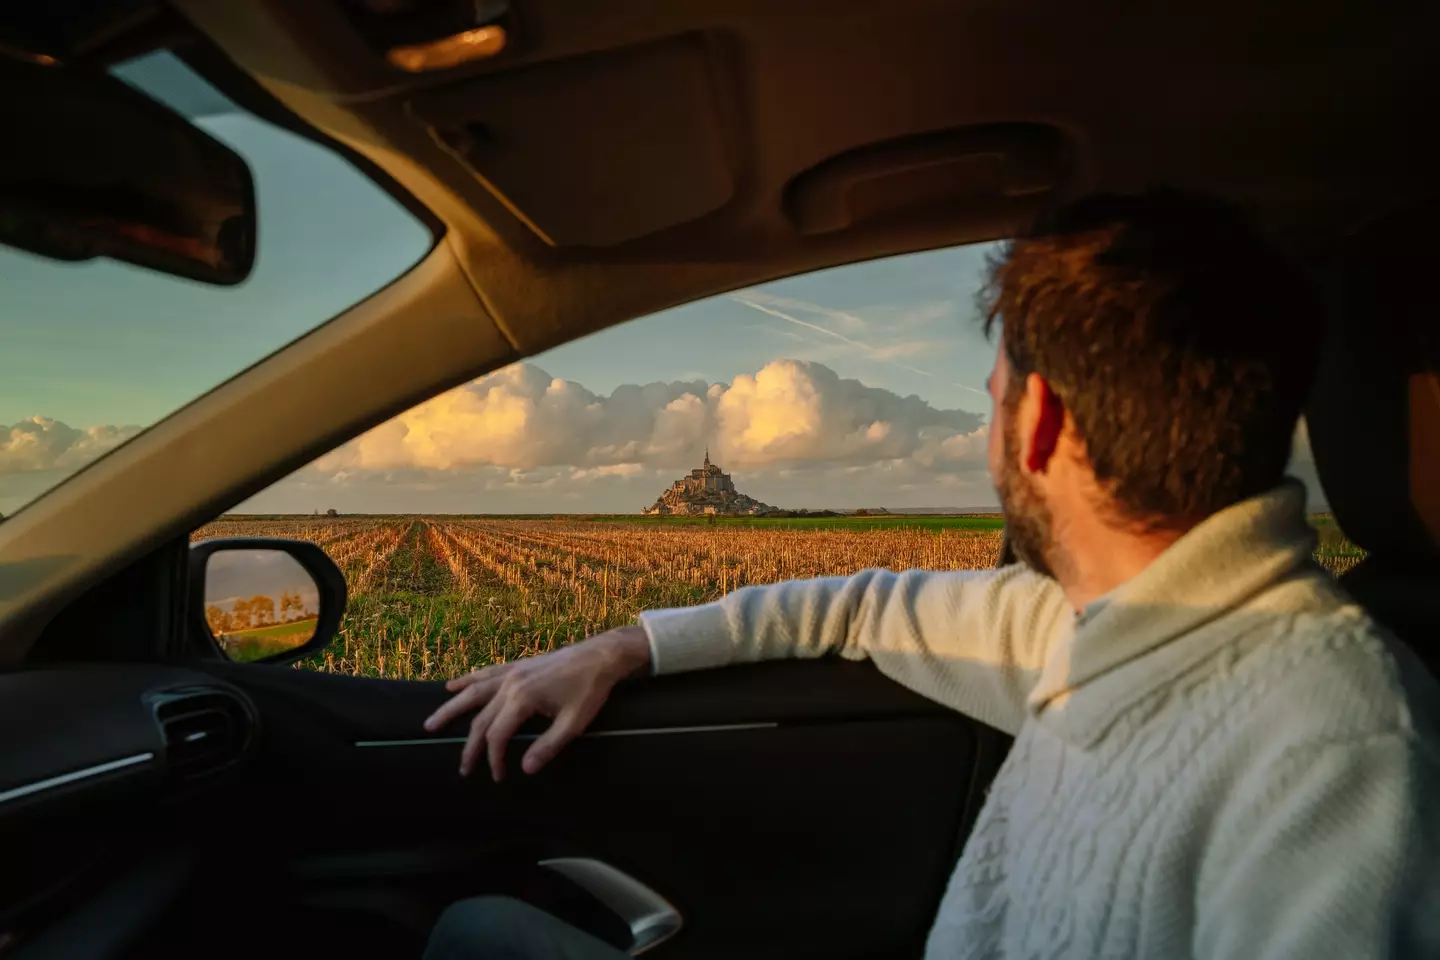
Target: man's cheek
x=995, y=452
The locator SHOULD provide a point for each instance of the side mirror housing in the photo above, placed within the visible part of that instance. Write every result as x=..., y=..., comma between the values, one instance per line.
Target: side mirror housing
x=264, y=599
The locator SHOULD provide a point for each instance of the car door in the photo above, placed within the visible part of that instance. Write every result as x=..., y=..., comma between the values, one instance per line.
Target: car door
x=784, y=810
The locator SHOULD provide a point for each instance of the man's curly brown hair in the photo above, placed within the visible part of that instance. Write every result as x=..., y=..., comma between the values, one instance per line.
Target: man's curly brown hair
x=1180, y=341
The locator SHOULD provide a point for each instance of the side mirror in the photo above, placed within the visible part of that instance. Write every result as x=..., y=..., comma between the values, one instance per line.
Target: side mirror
x=265, y=600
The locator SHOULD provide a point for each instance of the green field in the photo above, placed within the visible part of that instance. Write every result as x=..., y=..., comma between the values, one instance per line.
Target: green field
x=1335, y=551
x=261, y=642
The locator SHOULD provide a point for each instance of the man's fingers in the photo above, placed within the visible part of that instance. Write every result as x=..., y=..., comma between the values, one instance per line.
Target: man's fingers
x=475, y=695
x=456, y=684
x=475, y=740
x=515, y=712
x=566, y=727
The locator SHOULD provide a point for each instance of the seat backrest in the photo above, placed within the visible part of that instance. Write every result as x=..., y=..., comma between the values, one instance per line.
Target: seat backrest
x=1374, y=418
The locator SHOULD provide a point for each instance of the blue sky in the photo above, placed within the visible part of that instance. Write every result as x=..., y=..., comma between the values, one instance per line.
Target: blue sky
x=858, y=386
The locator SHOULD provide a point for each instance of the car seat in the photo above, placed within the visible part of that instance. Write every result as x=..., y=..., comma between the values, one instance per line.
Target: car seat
x=1374, y=419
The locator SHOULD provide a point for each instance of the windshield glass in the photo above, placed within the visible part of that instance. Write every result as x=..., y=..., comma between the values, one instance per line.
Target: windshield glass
x=95, y=352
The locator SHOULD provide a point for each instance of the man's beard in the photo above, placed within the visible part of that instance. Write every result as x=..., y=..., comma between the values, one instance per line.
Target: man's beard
x=1027, y=517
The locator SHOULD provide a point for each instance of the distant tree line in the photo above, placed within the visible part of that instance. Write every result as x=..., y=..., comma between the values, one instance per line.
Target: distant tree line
x=258, y=611
x=792, y=514
x=715, y=517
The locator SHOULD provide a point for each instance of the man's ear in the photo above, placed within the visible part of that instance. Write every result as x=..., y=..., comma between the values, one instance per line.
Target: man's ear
x=1041, y=424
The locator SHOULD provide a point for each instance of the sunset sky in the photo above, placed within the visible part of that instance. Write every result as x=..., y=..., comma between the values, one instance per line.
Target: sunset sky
x=862, y=386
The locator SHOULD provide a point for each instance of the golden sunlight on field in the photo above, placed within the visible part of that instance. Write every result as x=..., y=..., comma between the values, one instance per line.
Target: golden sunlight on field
x=433, y=597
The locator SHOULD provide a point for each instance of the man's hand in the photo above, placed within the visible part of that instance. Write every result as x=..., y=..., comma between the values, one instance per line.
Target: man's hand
x=569, y=685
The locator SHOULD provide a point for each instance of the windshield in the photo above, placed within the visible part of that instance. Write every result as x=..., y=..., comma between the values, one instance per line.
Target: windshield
x=95, y=352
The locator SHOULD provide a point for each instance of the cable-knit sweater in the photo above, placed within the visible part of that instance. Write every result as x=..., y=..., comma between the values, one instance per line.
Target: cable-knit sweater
x=1223, y=758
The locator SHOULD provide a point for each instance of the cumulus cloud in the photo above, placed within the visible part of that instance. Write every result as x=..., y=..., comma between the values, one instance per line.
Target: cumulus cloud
x=793, y=433
x=788, y=412
x=38, y=453
x=42, y=444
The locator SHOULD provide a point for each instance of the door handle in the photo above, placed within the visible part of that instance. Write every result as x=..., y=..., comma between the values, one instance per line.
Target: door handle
x=651, y=918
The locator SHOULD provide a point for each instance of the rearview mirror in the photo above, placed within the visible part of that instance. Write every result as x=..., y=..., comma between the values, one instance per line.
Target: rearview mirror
x=93, y=168
x=267, y=600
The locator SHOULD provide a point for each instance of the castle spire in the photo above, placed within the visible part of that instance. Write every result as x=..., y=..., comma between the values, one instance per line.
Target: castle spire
x=707, y=456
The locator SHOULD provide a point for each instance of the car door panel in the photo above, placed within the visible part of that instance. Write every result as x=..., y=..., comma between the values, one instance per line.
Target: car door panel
x=786, y=809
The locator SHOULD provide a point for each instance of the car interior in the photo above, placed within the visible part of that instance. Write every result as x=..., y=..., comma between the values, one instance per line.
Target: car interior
x=580, y=165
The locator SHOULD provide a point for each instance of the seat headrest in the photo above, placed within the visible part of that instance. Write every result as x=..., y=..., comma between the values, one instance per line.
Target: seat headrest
x=1374, y=412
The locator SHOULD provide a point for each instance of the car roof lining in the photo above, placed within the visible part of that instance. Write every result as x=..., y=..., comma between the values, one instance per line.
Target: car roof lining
x=1250, y=104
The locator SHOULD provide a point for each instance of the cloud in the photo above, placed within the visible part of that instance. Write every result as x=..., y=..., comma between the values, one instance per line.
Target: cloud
x=43, y=444
x=610, y=470
x=792, y=433
x=520, y=418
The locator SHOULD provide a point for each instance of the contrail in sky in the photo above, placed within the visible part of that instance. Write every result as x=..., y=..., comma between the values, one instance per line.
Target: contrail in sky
x=844, y=339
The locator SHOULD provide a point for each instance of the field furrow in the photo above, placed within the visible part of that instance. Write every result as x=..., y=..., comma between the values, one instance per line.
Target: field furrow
x=435, y=596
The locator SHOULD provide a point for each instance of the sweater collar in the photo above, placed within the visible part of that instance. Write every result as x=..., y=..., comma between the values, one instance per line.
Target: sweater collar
x=1210, y=571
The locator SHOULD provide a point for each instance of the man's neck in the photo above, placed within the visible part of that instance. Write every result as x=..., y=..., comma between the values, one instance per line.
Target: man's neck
x=1096, y=558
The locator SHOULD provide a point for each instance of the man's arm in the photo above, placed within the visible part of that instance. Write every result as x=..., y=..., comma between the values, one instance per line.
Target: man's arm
x=974, y=640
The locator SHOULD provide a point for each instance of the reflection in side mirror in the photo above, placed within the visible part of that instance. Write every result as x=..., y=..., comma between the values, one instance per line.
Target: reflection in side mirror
x=259, y=603
x=94, y=168
x=267, y=600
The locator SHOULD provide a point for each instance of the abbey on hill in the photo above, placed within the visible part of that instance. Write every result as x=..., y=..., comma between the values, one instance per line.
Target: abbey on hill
x=706, y=489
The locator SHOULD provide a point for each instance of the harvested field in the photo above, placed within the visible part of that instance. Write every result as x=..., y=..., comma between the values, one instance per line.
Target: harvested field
x=436, y=596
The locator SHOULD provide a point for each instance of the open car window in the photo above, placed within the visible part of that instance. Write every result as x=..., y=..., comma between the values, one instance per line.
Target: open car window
x=96, y=351
x=812, y=426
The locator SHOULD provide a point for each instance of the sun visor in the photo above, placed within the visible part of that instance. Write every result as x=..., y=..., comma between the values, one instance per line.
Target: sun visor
x=933, y=174
x=597, y=150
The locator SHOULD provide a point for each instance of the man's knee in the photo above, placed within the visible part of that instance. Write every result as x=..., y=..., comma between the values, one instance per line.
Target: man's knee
x=489, y=928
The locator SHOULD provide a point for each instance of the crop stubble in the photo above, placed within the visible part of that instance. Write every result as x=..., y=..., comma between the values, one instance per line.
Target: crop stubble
x=434, y=596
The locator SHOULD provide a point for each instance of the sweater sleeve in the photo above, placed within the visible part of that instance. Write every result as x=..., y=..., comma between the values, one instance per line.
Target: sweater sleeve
x=974, y=640
x=1328, y=859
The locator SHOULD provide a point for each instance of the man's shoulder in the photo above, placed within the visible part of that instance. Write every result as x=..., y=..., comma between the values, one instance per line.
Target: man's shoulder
x=1326, y=702
x=1330, y=675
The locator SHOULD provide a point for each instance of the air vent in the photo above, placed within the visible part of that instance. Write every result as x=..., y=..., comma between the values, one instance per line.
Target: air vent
x=205, y=731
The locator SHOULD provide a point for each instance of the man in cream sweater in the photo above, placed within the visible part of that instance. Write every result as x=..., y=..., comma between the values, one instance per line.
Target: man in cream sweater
x=1217, y=753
